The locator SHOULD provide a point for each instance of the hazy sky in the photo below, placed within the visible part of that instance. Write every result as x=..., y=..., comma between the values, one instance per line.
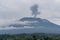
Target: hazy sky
x=15, y=9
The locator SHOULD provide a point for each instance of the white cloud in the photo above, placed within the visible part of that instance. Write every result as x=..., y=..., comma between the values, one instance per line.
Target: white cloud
x=13, y=9
x=9, y=28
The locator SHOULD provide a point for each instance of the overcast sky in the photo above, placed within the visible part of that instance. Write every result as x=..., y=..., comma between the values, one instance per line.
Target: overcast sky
x=15, y=9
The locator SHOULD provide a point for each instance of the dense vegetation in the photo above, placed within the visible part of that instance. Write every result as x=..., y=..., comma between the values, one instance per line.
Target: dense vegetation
x=35, y=36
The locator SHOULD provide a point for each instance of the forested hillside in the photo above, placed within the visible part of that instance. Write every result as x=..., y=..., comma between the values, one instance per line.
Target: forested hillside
x=35, y=36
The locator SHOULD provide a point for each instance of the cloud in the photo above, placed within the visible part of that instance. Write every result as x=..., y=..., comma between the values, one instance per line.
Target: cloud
x=9, y=28
x=15, y=9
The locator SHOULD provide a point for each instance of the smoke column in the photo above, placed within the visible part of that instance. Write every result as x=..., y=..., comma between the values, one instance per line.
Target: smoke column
x=34, y=10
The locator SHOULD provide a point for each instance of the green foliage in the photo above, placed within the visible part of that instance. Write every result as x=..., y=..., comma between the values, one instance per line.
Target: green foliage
x=35, y=36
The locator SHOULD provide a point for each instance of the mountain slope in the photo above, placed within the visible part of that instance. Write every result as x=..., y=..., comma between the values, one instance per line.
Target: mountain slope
x=35, y=22
x=39, y=26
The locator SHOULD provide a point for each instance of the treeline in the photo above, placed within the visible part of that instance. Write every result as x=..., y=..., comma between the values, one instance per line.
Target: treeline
x=35, y=36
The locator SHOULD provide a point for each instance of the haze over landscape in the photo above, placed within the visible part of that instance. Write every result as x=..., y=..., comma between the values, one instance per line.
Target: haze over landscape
x=29, y=19
x=13, y=10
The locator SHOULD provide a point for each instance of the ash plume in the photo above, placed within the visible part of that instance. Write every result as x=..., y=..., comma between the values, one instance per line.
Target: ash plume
x=34, y=10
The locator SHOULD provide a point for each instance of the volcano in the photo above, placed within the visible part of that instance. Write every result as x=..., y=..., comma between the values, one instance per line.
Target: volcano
x=32, y=25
